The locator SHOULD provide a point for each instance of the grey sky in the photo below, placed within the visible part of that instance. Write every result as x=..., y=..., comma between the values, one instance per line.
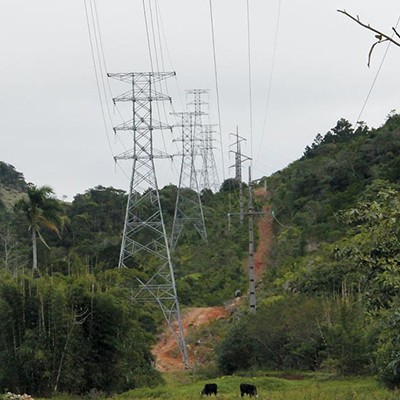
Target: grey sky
x=51, y=124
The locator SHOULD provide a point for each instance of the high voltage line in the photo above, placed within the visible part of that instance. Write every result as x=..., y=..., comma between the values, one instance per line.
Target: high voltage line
x=376, y=77
x=146, y=91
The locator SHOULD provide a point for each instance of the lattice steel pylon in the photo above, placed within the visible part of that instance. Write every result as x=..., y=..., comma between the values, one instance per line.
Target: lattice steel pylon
x=144, y=228
x=188, y=207
x=209, y=172
x=239, y=159
x=208, y=175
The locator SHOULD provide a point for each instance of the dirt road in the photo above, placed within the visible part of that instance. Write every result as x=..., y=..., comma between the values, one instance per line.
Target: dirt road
x=166, y=352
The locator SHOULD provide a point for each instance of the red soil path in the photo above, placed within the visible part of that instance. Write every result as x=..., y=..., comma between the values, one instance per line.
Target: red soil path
x=166, y=352
x=264, y=234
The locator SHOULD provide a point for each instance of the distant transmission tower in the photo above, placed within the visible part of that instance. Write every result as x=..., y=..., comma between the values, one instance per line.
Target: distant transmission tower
x=208, y=176
x=239, y=160
x=144, y=228
x=209, y=172
x=188, y=207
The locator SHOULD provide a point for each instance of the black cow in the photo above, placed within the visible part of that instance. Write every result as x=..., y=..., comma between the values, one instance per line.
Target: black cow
x=209, y=389
x=246, y=388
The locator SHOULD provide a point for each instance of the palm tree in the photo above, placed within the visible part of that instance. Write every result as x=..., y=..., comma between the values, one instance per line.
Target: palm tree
x=42, y=211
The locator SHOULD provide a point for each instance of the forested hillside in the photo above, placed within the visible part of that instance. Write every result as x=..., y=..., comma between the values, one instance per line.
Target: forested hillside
x=330, y=295
x=328, y=299
x=69, y=323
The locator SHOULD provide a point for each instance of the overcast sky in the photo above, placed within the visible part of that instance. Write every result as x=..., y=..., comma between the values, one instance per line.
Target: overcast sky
x=51, y=122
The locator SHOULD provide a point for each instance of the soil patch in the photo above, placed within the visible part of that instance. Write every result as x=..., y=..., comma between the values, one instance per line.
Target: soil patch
x=166, y=352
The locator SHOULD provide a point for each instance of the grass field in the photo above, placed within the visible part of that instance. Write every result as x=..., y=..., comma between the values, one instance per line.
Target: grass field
x=289, y=387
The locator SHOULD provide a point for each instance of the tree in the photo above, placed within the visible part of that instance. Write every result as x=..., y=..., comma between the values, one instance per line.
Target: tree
x=42, y=210
x=373, y=247
x=388, y=352
x=230, y=185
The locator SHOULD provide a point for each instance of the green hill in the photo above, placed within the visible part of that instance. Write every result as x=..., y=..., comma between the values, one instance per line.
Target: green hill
x=328, y=299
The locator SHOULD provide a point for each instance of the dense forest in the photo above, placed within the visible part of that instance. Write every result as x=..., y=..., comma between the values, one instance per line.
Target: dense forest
x=69, y=323
x=328, y=299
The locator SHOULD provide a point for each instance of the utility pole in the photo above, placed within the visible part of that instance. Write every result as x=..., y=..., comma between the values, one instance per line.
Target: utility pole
x=239, y=160
x=252, y=275
x=188, y=207
x=144, y=228
x=251, y=213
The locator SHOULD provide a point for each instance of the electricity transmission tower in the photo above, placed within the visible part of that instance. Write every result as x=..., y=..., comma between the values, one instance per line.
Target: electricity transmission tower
x=188, y=207
x=239, y=160
x=209, y=172
x=144, y=229
x=208, y=177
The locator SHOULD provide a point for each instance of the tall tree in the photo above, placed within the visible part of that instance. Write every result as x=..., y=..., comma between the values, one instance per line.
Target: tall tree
x=42, y=210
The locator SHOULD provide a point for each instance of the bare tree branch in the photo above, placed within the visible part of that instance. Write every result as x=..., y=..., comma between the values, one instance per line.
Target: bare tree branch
x=371, y=50
x=397, y=33
x=382, y=37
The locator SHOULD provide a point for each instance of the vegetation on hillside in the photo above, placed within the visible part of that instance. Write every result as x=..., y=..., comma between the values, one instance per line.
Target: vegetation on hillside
x=71, y=325
x=328, y=300
x=330, y=294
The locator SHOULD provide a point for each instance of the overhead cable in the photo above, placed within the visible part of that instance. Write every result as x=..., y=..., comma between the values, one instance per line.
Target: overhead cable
x=147, y=35
x=217, y=87
x=271, y=75
x=376, y=76
x=250, y=82
x=98, y=69
x=96, y=75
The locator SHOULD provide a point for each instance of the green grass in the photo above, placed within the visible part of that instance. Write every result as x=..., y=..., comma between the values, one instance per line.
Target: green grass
x=311, y=387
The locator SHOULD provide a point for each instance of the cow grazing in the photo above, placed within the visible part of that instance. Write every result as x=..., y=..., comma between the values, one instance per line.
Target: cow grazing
x=209, y=389
x=246, y=388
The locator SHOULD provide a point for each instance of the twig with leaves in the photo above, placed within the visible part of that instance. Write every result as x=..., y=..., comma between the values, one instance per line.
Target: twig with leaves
x=382, y=37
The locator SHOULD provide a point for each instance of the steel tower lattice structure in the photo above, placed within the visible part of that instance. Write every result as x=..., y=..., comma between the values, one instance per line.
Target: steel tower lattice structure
x=209, y=172
x=208, y=177
x=240, y=158
x=144, y=228
x=188, y=207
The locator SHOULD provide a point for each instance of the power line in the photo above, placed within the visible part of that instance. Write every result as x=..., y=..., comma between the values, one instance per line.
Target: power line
x=98, y=68
x=376, y=76
x=153, y=35
x=270, y=78
x=161, y=39
x=96, y=75
x=97, y=27
x=101, y=44
x=216, y=87
x=147, y=34
x=158, y=69
x=100, y=54
x=250, y=80
x=276, y=219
